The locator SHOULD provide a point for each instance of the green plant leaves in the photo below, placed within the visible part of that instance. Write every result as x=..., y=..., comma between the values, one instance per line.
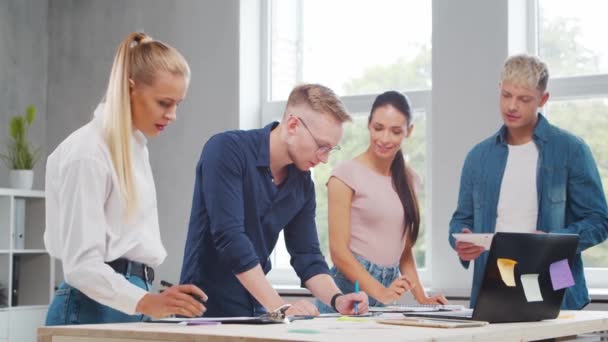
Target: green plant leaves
x=30, y=114
x=21, y=155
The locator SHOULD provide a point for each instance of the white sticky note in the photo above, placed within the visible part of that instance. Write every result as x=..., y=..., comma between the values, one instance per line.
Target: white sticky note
x=506, y=267
x=531, y=287
x=479, y=239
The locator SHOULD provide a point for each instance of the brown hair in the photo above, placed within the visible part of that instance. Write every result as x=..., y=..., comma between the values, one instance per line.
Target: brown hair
x=401, y=174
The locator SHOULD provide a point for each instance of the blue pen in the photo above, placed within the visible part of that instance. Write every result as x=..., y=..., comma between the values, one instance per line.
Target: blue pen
x=356, y=291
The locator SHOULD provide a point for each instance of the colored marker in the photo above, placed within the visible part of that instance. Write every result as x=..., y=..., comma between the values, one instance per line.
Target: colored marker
x=356, y=291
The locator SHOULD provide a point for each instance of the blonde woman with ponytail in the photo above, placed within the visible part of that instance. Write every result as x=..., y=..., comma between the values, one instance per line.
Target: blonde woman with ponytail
x=101, y=210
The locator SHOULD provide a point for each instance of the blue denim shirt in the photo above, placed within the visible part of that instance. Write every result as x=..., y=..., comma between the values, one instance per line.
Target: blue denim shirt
x=237, y=215
x=570, y=197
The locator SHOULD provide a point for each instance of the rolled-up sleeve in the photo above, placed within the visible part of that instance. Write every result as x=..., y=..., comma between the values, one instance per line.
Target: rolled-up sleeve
x=221, y=172
x=302, y=241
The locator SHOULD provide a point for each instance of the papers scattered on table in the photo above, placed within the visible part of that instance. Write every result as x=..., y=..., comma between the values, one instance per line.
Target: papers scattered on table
x=432, y=322
x=217, y=320
x=416, y=308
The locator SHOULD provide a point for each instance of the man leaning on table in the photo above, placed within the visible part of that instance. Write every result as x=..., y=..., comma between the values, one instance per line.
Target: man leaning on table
x=250, y=186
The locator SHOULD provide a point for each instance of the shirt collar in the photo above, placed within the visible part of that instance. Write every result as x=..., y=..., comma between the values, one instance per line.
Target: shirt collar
x=263, y=159
x=138, y=136
x=541, y=131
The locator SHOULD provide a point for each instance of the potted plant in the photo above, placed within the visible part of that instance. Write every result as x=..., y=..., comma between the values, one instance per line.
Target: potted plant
x=20, y=155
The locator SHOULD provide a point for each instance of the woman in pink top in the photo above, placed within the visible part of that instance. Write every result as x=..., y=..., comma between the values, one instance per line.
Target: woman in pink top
x=373, y=212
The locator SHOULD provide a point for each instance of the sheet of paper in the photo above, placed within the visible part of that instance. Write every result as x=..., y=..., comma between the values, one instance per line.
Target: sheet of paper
x=483, y=240
x=561, y=275
x=506, y=267
x=531, y=288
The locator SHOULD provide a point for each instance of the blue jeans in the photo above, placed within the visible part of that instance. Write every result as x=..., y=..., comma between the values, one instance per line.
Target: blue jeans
x=70, y=306
x=383, y=274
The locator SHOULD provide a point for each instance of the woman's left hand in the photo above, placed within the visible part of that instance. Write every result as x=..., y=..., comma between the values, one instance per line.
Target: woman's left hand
x=436, y=299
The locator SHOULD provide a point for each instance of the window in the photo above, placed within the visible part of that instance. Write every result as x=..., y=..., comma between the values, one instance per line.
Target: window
x=571, y=37
x=353, y=47
x=587, y=118
x=378, y=46
x=570, y=41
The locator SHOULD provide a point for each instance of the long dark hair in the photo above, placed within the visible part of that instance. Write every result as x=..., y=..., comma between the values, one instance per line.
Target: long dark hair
x=401, y=175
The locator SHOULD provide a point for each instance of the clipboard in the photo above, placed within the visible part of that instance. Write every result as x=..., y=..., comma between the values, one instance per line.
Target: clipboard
x=433, y=322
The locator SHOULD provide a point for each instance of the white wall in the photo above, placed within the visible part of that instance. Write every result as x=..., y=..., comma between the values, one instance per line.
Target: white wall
x=83, y=36
x=470, y=43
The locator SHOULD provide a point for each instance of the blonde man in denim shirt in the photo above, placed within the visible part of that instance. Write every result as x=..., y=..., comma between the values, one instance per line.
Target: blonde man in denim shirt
x=529, y=177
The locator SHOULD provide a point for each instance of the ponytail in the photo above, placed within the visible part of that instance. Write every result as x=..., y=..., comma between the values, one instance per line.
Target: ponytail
x=138, y=58
x=401, y=174
x=403, y=180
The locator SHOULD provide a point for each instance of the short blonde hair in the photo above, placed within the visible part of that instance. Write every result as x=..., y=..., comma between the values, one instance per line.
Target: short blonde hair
x=320, y=99
x=138, y=58
x=526, y=70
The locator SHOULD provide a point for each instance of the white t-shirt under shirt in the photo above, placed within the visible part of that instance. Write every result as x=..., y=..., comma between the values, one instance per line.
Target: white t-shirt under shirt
x=518, y=203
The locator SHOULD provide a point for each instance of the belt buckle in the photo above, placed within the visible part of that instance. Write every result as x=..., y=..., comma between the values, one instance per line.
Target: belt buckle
x=149, y=274
x=147, y=279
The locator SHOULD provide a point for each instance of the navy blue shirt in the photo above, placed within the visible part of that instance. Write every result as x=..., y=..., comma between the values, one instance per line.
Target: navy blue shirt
x=237, y=215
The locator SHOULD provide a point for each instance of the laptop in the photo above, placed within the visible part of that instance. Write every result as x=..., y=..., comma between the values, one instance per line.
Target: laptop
x=499, y=303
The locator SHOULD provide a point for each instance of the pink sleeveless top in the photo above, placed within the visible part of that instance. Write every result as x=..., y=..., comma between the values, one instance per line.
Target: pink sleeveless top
x=377, y=218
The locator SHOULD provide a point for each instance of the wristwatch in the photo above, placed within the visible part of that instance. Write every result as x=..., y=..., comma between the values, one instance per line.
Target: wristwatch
x=333, y=300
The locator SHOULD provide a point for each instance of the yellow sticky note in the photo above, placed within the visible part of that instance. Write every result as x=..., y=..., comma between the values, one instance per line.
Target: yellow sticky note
x=507, y=270
x=352, y=319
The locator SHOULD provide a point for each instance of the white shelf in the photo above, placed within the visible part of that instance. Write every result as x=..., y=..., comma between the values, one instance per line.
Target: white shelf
x=27, y=307
x=28, y=271
x=22, y=193
x=29, y=251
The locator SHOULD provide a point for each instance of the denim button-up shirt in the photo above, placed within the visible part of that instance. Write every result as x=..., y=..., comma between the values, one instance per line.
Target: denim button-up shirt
x=237, y=215
x=570, y=197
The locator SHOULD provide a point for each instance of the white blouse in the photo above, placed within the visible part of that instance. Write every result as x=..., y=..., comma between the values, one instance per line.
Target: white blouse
x=85, y=216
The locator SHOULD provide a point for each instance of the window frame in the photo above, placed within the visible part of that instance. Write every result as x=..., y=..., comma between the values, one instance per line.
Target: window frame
x=570, y=88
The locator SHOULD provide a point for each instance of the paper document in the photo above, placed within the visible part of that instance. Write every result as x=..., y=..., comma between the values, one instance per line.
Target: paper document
x=416, y=308
x=531, y=288
x=224, y=320
x=506, y=267
x=483, y=240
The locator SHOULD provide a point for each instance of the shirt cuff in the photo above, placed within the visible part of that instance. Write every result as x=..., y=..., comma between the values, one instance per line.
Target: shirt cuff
x=127, y=299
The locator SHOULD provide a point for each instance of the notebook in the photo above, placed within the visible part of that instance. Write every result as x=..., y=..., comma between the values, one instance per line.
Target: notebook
x=526, y=290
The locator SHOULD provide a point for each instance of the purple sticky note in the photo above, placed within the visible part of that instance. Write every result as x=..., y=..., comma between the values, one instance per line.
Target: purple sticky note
x=561, y=276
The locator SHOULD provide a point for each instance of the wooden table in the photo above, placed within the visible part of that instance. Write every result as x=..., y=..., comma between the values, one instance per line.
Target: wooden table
x=328, y=329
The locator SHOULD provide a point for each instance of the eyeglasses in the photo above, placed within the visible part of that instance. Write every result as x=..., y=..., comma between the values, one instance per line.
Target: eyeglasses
x=321, y=149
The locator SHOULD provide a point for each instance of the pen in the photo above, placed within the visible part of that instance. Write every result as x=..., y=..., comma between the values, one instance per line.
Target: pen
x=356, y=291
x=165, y=283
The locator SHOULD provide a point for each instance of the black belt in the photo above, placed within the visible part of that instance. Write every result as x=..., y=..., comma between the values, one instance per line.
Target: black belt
x=137, y=269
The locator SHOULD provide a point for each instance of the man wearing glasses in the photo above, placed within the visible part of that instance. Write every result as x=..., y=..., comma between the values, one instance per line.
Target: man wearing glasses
x=250, y=186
